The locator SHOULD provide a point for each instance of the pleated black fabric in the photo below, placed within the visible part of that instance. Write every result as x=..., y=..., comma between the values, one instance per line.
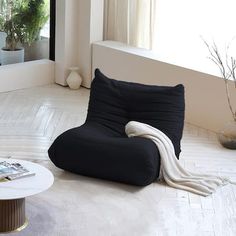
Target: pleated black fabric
x=100, y=147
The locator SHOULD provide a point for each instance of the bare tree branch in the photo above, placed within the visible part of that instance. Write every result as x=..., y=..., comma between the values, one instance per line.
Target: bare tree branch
x=229, y=100
x=227, y=70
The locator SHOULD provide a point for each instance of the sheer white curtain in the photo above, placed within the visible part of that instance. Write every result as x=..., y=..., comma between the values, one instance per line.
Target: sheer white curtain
x=131, y=21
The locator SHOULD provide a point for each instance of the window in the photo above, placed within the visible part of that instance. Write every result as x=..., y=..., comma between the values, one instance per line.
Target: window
x=182, y=24
x=26, y=31
x=131, y=21
x=175, y=28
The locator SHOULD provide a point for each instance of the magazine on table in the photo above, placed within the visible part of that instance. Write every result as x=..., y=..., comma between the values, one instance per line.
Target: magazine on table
x=11, y=171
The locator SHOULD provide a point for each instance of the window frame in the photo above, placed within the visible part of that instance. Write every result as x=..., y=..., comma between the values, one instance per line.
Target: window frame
x=52, y=30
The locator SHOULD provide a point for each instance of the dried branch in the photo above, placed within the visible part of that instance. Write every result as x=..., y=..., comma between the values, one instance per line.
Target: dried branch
x=233, y=65
x=230, y=72
x=229, y=100
x=227, y=70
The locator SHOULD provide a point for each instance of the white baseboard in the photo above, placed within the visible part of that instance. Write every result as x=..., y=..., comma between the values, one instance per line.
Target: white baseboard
x=26, y=75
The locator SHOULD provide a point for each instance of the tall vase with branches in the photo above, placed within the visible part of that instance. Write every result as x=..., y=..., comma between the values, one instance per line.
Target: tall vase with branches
x=227, y=68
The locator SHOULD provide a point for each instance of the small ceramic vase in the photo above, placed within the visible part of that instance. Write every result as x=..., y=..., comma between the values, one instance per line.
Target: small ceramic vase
x=74, y=79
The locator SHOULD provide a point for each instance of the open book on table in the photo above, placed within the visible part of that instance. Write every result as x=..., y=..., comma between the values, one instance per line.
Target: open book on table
x=11, y=171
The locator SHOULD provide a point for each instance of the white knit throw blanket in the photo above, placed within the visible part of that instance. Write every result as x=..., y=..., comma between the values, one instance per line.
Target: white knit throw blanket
x=173, y=173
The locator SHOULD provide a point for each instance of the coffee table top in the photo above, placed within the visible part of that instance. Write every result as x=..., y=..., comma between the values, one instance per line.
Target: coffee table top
x=28, y=186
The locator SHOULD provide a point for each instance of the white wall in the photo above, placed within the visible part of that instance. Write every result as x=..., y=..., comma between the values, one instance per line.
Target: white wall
x=79, y=23
x=26, y=75
x=90, y=30
x=206, y=103
x=66, y=38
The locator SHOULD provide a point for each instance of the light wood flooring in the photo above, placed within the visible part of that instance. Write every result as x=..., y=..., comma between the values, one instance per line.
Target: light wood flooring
x=30, y=120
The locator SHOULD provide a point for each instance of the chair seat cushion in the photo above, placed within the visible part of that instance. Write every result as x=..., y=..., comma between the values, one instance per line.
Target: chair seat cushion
x=97, y=151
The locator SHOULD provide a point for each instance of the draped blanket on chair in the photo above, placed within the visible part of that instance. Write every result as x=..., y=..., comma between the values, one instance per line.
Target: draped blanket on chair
x=171, y=170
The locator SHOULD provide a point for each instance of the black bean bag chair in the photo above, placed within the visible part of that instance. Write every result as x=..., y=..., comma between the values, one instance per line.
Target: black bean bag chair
x=100, y=148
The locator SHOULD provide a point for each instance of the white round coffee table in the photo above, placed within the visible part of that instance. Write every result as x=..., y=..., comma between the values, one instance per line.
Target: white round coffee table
x=13, y=194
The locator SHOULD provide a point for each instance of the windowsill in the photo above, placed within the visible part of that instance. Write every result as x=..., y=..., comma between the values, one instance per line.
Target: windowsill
x=204, y=66
x=26, y=75
x=27, y=63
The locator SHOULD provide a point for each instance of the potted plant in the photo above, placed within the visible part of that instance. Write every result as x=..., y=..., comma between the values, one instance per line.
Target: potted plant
x=23, y=20
x=35, y=15
x=13, y=26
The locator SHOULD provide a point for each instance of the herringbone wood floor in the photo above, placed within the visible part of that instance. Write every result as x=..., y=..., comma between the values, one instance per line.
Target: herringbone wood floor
x=30, y=119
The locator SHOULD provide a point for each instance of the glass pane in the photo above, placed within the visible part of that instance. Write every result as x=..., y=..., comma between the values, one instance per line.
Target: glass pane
x=182, y=24
x=24, y=30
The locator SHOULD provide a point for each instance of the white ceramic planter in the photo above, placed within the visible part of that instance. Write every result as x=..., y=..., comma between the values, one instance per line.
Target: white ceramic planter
x=12, y=57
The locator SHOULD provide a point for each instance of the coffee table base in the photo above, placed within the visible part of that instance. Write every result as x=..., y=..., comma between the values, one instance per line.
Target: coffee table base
x=12, y=215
